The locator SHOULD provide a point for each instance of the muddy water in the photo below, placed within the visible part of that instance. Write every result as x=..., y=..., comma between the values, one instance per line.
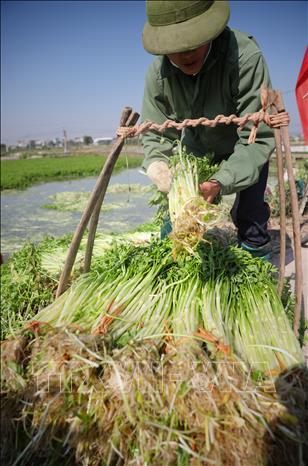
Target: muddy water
x=23, y=216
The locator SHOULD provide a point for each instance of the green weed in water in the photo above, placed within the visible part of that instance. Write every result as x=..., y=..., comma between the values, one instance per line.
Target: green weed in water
x=77, y=202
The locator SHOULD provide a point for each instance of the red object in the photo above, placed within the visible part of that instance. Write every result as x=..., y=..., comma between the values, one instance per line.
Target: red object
x=301, y=92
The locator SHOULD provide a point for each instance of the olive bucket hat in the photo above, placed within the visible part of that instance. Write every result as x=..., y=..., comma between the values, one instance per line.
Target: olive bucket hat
x=181, y=25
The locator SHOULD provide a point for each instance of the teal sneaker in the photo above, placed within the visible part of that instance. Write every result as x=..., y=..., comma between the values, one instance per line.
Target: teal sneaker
x=263, y=252
x=166, y=228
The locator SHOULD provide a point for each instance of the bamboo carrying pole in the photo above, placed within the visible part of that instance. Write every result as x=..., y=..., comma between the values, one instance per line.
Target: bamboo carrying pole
x=282, y=197
x=295, y=216
x=132, y=120
x=100, y=185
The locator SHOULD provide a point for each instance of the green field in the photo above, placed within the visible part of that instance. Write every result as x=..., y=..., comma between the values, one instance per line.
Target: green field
x=19, y=174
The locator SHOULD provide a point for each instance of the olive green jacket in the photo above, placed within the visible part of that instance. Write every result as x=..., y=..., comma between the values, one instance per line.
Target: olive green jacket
x=228, y=83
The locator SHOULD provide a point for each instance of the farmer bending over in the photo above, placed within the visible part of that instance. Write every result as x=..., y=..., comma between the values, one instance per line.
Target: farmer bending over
x=202, y=69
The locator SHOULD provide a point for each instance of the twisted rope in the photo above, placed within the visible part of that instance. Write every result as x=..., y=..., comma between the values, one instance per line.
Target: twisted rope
x=273, y=121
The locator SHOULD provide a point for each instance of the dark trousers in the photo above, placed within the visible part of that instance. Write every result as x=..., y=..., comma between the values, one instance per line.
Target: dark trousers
x=250, y=213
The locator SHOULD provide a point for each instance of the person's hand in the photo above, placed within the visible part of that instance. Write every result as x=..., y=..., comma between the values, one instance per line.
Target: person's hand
x=209, y=190
x=160, y=175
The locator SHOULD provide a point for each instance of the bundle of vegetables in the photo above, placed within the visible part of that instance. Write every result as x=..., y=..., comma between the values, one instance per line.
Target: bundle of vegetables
x=29, y=279
x=191, y=216
x=140, y=404
x=53, y=259
x=240, y=301
x=129, y=292
x=140, y=292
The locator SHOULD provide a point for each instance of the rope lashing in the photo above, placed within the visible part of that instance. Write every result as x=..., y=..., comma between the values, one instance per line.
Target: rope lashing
x=273, y=121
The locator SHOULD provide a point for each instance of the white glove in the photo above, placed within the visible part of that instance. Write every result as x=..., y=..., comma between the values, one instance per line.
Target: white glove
x=159, y=174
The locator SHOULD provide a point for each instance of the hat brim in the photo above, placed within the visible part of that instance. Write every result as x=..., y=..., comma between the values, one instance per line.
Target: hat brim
x=187, y=35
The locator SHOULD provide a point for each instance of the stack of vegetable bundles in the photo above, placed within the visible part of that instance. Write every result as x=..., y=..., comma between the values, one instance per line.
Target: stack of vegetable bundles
x=191, y=280
x=147, y=359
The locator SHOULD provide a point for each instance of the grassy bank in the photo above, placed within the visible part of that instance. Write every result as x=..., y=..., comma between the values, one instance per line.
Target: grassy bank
x=19, y=174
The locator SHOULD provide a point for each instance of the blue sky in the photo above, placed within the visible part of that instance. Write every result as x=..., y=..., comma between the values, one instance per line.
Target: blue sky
x=76, y=64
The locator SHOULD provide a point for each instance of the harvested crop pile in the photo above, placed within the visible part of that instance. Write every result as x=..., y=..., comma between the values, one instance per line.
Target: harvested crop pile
x=142, y=404
x=28, y=280
x=140, y=292
x=166, y=353
x=53, y=259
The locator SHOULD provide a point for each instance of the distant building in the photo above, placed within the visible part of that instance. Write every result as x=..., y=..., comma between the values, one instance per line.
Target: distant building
x=78, y=140
x=22, y=144
x=38, y=143
x=51, y=143
x=97, y=141
x=302, y=149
